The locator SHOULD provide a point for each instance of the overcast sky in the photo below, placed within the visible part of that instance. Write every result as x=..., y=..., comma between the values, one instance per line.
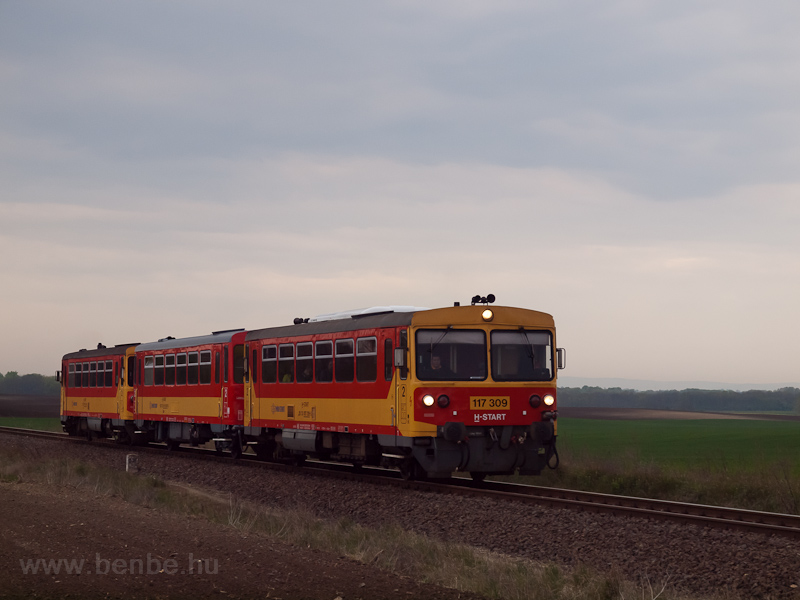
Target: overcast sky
x=175, y=167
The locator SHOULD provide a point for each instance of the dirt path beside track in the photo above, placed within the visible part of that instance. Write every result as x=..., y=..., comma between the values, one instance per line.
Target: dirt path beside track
x=165, y=556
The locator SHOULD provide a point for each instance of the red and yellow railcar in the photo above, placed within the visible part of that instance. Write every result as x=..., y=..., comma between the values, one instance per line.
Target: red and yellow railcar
x=190, y=390
x=95, y=391
x=322, y=388
x=467, y=388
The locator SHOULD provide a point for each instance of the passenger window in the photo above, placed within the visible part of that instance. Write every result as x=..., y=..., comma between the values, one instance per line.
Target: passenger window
x=92, y=374
x=344, y=361
x=286, y=363
x=193, y=371
x=323, y=362
x=149, y=363
x=367, y=359
x=109, y=373
x=305, y=362
x=205, y=367
x=169, y=369
x=216, y=367
x=71, y=380
x=159, y=371
x=180, y=369
x=269, y=364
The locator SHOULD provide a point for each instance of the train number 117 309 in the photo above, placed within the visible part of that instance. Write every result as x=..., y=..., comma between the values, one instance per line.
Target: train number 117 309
x=489, y=403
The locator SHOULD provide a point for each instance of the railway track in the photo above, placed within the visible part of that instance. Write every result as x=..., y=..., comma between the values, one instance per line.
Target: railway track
x=701, y=515
x=698, y=514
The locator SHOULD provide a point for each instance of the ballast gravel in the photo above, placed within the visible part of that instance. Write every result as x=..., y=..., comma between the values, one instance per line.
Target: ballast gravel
x=690, y=559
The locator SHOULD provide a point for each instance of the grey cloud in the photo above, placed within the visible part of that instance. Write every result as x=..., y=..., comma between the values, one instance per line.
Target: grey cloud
x=618, y=164
x=676, y=92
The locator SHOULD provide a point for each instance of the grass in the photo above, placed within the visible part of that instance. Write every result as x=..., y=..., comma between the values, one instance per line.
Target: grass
x=713, y=444
x=40, y=424
x=745, y=464
x=452, y=565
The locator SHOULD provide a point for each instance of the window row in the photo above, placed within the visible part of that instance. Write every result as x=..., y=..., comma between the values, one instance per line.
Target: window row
x=186, y=368
x=91, y=374
x=325, y=361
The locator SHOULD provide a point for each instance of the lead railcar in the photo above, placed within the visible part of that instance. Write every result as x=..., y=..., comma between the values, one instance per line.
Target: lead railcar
x=464, y=388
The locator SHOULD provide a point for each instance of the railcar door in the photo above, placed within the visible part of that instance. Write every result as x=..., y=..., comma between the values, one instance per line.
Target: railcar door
x=400, y=416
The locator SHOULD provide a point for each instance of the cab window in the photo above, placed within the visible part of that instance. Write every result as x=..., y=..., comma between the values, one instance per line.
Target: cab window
x=522, y=355
x=451, y=355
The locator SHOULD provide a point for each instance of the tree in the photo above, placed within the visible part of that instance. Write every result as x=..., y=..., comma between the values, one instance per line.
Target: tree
x=36, y=385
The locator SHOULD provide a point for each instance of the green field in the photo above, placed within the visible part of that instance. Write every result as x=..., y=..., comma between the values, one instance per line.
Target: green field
x=703, y=444
x=50, y=424
x=741, y=463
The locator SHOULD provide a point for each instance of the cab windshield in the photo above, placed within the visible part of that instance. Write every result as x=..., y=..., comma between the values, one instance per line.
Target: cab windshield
x=522, y=355
x=450, y=355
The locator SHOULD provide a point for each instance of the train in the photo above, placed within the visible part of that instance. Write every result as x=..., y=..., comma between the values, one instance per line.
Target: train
x=429, y=392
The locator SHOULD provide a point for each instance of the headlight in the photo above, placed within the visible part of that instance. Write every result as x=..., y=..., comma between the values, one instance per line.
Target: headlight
x=428, y=400
x=535, y=401
x=443, y=401
x=549, y=400
x=487, y=315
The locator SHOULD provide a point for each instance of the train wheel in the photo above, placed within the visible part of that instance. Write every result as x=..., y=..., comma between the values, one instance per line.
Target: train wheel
x=236, y=448
x=263, y=451
x=173, y=445
x=477, y=477
x=410, y=470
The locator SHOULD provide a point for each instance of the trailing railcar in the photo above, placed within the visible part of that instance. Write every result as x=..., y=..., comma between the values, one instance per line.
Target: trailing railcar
x=95, y=392
x=174, y=391
x=431, y=392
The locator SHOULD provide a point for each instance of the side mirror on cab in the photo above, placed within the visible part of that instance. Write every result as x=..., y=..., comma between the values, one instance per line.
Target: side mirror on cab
x=400, y=358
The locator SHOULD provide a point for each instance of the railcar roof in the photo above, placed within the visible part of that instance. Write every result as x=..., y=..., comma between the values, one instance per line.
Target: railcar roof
x=362, y=312
x=352, y=323
x=220, y=337
x=97, y=352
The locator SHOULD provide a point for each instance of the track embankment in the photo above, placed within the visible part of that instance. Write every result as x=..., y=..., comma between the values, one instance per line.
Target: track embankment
x=693, y=558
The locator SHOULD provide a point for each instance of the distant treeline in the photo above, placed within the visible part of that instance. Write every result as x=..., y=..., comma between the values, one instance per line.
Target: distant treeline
x=28, y=385
x=784, y=399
